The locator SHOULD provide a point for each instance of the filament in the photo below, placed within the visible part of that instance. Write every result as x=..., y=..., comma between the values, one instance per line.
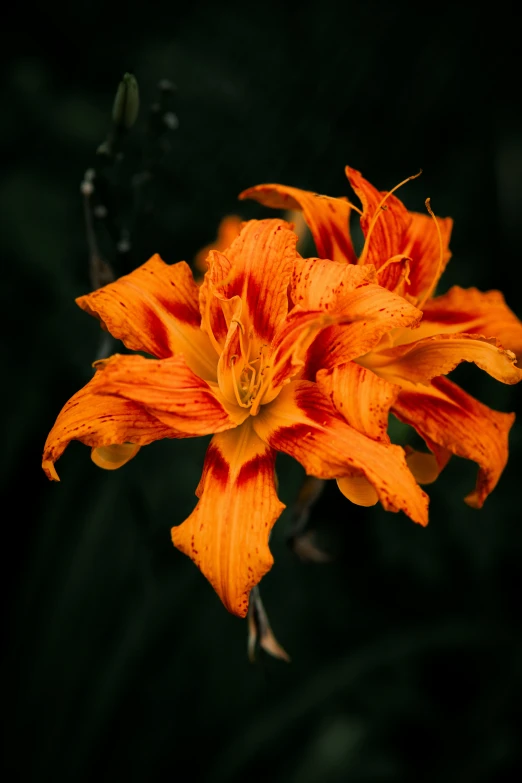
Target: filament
x=378, y=212
x=438, y=272
x=235, y=384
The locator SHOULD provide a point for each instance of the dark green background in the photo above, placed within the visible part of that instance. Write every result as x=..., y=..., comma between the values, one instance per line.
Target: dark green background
x=120, y=662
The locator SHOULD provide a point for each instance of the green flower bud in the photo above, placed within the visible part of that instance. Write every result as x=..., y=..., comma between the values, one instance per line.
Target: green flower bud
x=126, y=103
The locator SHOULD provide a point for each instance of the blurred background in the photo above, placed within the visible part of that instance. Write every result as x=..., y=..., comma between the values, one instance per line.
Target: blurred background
x=120, y=662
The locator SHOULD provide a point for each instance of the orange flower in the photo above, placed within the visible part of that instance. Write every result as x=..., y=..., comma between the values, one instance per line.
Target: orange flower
x=405, y=372
x=228, y=230
x=231, y=361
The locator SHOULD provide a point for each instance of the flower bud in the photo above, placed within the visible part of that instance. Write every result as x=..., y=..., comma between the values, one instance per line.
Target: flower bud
x=126, y=103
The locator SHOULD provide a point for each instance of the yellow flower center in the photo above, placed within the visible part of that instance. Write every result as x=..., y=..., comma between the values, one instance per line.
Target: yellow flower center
x=250, y=369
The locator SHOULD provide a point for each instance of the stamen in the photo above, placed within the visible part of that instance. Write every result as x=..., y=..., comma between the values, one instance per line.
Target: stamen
x=405, y=272
x=235, y=383
x=252, y=380
x=352, y=206
x=251, y=385
x=438, y=273
x=274, y=366
x=244, y=353
x=378, y=213
x=238, y=322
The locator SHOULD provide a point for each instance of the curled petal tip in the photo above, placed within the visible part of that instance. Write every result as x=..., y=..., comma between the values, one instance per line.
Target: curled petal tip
x=473, y=500
x=50, y=470
x=113, y=457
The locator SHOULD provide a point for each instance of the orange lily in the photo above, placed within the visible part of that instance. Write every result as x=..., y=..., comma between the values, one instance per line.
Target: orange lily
x=231, y=361
x=228, y=230
x=405, y=372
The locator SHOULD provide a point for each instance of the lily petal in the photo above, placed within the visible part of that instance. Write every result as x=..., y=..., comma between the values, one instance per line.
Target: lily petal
x=394, y=274
x=374, y=311
x=301, y=422
x=227, y=533
x=319, y=284
x=101, y=420
x=361, y=397
x=115, y=456
x=256, y=267
x=359, y=490
x=474, y=312
x=425, y=359
x=170, y=391
x=445, y=415
x=389, y=230
x=421, y=245
x=291, y=344
x=212, y=301
x=427, y=466
x=155, y=309
x=328, y=218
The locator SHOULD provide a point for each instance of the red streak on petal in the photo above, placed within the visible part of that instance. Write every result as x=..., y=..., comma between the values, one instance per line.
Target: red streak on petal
x=218, y=467
x=451, y=317
x=182, y=311
x=340, y=239
x=159, y=333
x=294, y=432
x=253, y=468
x=185, y=313
x=315, y=405
x=219, y=324
x=316, y=353
x=260, y=315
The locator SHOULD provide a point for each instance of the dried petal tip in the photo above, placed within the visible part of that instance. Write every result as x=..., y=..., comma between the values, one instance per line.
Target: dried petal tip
x=259, y=631
x=126, y=103
x=306, y=549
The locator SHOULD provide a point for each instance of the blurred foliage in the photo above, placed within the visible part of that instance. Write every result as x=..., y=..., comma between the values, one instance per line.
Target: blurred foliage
x=120, y=662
